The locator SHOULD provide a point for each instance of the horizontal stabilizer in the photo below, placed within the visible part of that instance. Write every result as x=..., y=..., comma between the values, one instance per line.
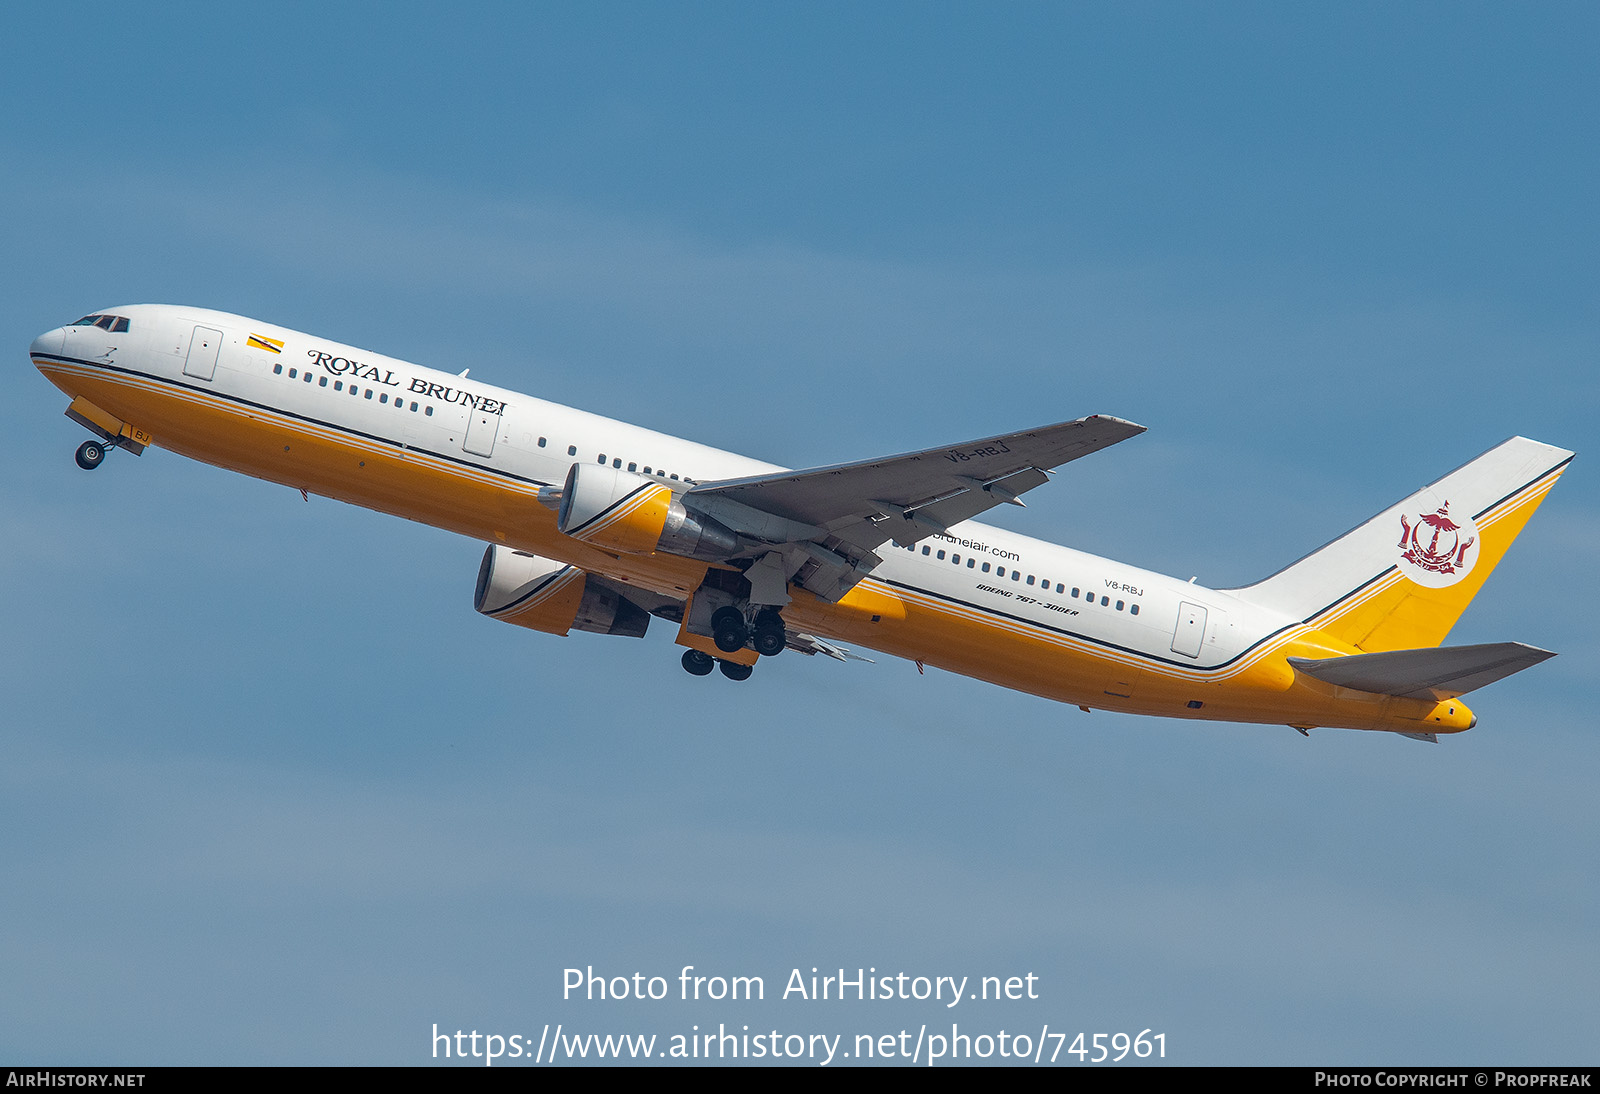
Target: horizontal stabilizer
x=1440, y=673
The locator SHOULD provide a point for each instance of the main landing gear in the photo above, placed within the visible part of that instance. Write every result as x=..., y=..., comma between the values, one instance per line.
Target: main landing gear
x=728, y=629
x=700, y=664
x=731, y=634
x=769, y=638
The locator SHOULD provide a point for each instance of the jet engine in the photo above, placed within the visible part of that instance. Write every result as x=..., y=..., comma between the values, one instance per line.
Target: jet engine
x=623, y=511
x=544, y=595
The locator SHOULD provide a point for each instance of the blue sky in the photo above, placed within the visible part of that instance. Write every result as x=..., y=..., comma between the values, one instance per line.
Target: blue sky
x=274, y=793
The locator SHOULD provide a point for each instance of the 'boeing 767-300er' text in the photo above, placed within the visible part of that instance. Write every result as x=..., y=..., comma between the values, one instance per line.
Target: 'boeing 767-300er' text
x=596, y=525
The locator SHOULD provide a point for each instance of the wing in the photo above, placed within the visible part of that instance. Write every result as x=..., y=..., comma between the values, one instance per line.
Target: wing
x=828, y=521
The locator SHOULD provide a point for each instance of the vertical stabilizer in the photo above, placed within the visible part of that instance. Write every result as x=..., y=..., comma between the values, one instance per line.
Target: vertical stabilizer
x=1402, y=579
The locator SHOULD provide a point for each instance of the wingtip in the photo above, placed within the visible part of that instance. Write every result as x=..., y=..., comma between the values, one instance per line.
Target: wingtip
x=1113, y=419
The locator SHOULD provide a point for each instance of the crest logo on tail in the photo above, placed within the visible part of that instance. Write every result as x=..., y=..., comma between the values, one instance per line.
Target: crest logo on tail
x=1436, y=549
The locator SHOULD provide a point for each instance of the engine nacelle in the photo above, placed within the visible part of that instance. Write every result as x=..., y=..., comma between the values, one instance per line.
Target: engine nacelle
x=623, y=511
x=544, y=595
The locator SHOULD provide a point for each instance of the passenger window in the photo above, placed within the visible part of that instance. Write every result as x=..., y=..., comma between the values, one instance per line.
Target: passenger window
x=633, y=466
x=413, y=408
x=384, y=398
x=338, y=385
x=1133, y=609
x=541, y=439
x=306, y=376
x=1105, y=602
x=1058, y=587
x=294, y=373
x=647, y=470
x=1030, y=579
x=572, y=450
x=1074, y=594
x=427, y=412
x=674, y=475
x=602, y=459
x=322, y=381
x=985, y=567
x=941, y=555
x=999, y=571
x=617, y=462
x=1119, y=605
x=277, y=370
x=1016, y=574
x=970, y=562
x=369, y=393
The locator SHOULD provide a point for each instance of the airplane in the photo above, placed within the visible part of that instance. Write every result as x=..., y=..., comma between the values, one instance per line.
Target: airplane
x=596, y=525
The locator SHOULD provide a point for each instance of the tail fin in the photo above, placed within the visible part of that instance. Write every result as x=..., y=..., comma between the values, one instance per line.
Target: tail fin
x=1402, y=579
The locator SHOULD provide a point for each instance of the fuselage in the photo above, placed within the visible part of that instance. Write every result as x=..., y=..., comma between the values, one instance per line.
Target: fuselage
x=456, y=453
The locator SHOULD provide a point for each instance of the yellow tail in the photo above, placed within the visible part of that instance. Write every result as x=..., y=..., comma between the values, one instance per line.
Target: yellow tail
x=1401, y=580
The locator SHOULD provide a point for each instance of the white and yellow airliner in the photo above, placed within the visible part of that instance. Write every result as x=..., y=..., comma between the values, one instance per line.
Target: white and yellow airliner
x=596, y=525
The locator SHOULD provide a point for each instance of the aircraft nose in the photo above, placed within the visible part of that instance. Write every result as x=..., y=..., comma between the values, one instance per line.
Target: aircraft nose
x=49, y=342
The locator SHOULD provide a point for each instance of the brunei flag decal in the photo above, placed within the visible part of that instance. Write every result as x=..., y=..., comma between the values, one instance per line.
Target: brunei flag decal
x=271, y=345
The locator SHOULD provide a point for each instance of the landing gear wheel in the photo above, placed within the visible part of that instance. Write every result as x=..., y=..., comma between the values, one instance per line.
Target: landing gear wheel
x=728, y=630
x=90, y=453
x=696, y=663
x=735, y=671
x=769, y=635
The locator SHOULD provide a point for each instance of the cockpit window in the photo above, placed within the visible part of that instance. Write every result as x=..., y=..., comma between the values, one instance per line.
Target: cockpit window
x=116, y=324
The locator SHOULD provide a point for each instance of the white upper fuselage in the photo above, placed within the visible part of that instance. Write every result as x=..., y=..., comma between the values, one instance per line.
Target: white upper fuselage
x=531, y=441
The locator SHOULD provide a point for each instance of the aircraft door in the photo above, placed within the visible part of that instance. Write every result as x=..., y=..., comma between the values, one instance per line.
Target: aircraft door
x=1191, y=630
x=204, y=345
x=482, y=428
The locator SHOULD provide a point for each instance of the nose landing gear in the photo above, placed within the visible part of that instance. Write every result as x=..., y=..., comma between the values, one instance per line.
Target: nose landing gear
x=90, y=455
